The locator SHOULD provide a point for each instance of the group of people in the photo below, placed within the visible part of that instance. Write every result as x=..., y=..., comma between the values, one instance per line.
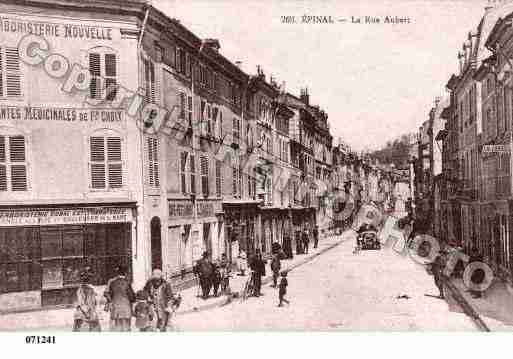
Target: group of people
x=151, y=306
x=303, y=240
x=213, y=275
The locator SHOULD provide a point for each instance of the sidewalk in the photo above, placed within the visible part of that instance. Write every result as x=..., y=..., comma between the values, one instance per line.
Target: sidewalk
x=62, y=319
x=494, y=308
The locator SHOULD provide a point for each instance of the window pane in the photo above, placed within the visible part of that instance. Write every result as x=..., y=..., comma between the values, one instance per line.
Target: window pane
x=2, y=139
x=52, y=274
x=72, y=241
x=51, y=243
x=111, y=89
x=71, y=269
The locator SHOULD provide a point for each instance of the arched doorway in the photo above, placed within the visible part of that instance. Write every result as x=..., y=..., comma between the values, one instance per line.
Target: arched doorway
x=156, y=243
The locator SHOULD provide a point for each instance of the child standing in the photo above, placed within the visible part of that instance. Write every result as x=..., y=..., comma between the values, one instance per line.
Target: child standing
x=85, y=309
x=143, y=312
x=283, y=289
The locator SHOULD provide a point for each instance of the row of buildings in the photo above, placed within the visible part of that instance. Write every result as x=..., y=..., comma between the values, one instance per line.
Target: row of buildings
x=126, y=139
x=463, y=187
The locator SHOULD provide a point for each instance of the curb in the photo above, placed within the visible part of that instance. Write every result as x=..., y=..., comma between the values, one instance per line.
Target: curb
x=466, y=306
x=236, y=296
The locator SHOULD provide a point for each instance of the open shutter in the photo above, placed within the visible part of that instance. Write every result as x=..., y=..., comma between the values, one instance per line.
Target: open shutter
x=193, y=173
x=218, y=178
x=153, y=161
x=183, y=168
x=114, y=162
x=12, y=72
x=203, y=118
x=3, y=169
x=204, y=176
x=95, y=71
x=97, y=162
x=1, y=73
x=182, y=99
x=110, y=76
x=18, y=167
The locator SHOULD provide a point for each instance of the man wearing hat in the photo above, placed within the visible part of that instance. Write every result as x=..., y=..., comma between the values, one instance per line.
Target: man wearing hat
x=85, y=309
x=160, y=295
x=204, y=269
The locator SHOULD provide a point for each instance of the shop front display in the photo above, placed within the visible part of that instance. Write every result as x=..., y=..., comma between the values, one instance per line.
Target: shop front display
x=50, y=258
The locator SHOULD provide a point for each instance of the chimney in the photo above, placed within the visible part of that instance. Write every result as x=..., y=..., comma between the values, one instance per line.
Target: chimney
x=238, y=64
x=460, y=59
x=437, y=100
x=304, y=97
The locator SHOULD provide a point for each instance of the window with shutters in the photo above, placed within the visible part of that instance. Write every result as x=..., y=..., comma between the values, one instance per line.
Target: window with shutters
x=10, y=72
x=209, y=119
x=149, y=80
x=204, y=175
x=219, y=179
x=215, y=129
x=235, y=177
x=153, y=162
x=178, y=59
x=103, y=70
x=13, y=163
x=106, y=164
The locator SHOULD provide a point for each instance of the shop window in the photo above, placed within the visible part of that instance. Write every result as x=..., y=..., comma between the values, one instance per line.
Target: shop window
x=13, y=166
x=19, y=259
x=153, y=162
x=103, y=70
x=106, y=163
x=10, y=72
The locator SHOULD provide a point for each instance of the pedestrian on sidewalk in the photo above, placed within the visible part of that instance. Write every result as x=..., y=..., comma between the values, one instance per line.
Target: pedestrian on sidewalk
x=242, y=262
x=85, y=309
x=216, y=279
x=205, y=270
x=316, y=236
x=143, y=312
x=306, y=240
x=161, y=295
x=224, y=268
x=120, y=296
x=283, y=289
x=275, y=268
x=258, y=267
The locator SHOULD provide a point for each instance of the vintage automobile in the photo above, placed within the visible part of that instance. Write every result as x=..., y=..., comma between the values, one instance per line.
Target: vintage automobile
x=368, y=238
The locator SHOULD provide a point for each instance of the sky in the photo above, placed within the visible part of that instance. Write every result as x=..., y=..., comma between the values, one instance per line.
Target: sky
x=376, y=81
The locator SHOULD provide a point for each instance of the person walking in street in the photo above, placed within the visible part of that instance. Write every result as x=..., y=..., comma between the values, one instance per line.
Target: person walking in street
x=216, y=279
x=204, y=270
x=85, y=309
x=161, y=296
x=275, y=268
x=242, y=262
x=306, y=241
x=120, y=296
x=258, y=268
x=316, y=236
x=224, y=268
x=143, y=312
x=283, y=289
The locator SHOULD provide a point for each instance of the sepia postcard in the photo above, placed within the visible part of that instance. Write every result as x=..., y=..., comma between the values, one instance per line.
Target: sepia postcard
x=255, y=166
